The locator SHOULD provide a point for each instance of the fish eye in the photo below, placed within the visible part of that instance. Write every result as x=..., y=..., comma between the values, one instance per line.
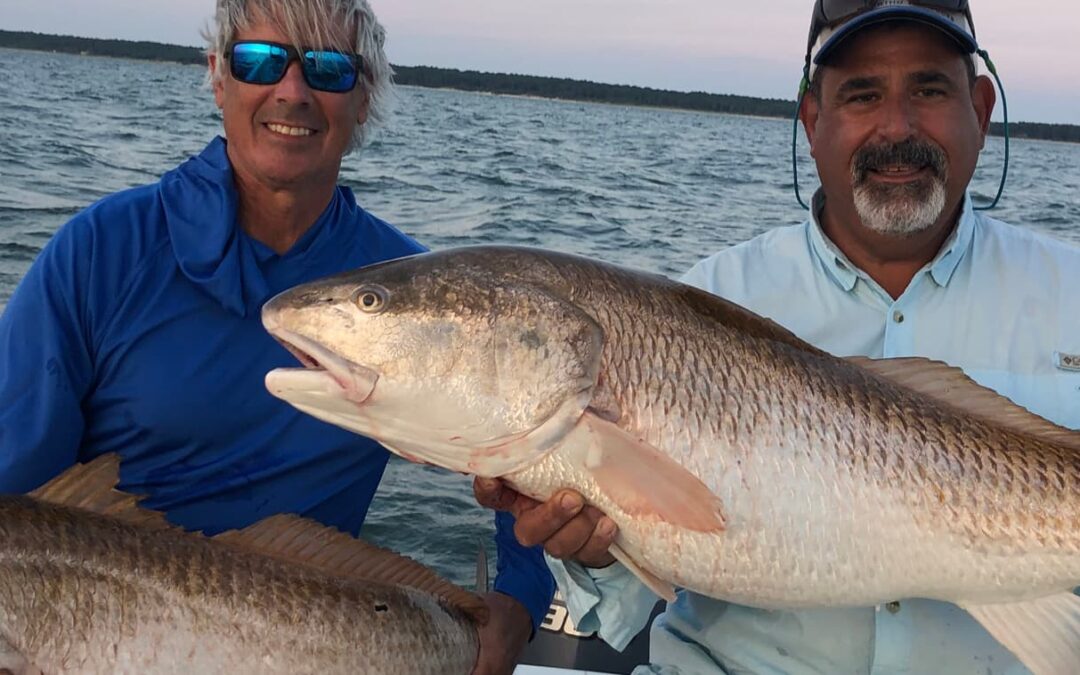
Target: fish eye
x=371, y=299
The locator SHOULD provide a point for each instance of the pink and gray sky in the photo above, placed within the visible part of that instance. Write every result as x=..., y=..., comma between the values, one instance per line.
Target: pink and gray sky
x=754, y=47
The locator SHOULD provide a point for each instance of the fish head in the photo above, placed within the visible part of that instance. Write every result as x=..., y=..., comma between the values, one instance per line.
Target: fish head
x=449, y=358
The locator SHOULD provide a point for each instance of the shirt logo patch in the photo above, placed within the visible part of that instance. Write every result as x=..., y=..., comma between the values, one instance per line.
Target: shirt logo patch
x=1067, y=361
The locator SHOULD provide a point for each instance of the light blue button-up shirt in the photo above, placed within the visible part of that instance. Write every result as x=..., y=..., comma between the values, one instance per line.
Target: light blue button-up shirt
x=1000, y=302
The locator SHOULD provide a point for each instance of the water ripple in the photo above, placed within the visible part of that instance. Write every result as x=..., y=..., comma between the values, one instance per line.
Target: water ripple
x=15, y=251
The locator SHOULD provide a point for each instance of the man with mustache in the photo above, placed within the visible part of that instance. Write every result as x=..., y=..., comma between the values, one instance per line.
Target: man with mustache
x=894, y=261
x=137, y=330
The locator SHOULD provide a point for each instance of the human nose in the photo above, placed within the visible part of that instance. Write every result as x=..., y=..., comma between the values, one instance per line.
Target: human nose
x=293, y=88
x=898, y=119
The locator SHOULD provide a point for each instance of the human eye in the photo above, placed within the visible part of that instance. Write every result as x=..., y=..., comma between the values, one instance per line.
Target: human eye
x=862, y=97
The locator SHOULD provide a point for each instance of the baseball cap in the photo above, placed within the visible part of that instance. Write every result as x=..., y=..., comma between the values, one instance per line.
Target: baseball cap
x=836, y=20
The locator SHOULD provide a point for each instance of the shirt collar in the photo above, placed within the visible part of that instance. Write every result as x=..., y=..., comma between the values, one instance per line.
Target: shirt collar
x=836, y=265
x=845, y=274
x=956, y=246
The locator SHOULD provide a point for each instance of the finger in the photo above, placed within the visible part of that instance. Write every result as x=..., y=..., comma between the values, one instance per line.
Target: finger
x=537, y=525
x=493, y=493
x=594, y=553
x=571, y=538
x=522, y=505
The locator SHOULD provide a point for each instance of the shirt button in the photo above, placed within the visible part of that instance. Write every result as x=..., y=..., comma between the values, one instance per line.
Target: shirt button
x=898, y=316
x=893, y=607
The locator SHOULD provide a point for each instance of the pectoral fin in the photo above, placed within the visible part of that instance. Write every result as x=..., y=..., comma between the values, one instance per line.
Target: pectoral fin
x=645, y=482
x=1043, y=633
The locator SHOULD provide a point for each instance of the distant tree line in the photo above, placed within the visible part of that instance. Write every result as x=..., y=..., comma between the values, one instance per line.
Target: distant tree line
x=1038, y=130
x=583, y=90
x=148, y=51
x=499, y=83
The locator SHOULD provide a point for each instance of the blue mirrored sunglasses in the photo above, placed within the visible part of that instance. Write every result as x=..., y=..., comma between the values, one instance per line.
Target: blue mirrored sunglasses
x=259, y=62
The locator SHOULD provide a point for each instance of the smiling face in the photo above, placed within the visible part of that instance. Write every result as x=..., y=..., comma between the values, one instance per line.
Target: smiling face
x=896, y=130
x=286, y=135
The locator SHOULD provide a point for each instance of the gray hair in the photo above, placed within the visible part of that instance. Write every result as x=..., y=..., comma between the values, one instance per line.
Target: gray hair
x=309, y=23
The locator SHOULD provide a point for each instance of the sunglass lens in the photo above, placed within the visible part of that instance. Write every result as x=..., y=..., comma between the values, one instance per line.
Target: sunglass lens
x=329, y=71
x=257, y=63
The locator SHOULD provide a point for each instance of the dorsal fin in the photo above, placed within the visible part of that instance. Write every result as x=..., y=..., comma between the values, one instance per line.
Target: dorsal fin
x=91, y=486
x=482, y=585
x=951, y=387
x=295, y=539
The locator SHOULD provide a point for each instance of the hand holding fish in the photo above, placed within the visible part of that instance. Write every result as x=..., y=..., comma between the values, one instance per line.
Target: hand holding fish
x=564, y=525
x=503, y=636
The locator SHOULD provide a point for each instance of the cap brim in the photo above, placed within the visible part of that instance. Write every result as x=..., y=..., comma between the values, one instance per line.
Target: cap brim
x=963, y=39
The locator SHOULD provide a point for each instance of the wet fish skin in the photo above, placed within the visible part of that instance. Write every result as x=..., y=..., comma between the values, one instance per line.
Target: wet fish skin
x=86, y=593
x=799, y=479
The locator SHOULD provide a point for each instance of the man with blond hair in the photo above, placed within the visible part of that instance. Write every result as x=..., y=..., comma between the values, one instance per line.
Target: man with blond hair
x=137, y=330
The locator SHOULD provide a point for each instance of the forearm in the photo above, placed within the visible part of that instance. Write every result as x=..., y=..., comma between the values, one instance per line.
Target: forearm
x=522, y=572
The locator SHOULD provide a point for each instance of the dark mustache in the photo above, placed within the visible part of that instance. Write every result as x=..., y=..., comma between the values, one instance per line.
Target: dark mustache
x=911, y=152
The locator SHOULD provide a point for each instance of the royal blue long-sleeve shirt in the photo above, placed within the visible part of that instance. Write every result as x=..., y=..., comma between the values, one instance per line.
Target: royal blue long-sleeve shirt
x=137, y=331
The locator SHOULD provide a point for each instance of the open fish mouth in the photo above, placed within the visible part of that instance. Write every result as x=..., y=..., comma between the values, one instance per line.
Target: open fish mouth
x=323, y=371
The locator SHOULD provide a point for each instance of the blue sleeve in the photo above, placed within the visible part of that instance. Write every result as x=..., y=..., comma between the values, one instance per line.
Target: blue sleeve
x=45, y=368
x=522, y=573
